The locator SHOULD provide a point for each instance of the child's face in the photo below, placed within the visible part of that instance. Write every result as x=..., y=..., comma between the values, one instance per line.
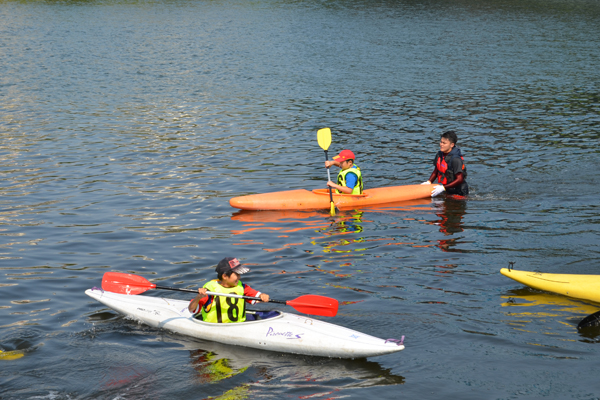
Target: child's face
x=346, y=164
x=230, y=280
x=446, y=145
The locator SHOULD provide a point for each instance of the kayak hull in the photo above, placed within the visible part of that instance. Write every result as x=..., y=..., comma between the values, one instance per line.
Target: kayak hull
x=573, y=285
x=289, y=333
x=318, y=199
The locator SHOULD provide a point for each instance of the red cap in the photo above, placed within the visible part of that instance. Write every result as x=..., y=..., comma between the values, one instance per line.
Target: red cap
x=344, y=155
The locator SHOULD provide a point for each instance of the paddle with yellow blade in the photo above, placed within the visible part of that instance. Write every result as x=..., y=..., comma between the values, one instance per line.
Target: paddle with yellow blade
x=324, y=139
x=118, y=282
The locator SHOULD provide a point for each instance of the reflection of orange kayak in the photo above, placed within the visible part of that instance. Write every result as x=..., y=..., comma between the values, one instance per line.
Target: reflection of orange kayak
x=318, y=199
x=275, y=215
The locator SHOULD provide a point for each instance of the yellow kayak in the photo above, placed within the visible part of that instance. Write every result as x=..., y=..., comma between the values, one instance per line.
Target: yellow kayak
x=586, y=287
x=11, y=355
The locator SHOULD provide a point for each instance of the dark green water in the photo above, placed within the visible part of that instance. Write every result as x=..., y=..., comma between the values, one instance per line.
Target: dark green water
x=125, y=128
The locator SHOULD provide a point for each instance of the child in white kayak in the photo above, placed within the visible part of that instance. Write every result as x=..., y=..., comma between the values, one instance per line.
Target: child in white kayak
x=225, y=309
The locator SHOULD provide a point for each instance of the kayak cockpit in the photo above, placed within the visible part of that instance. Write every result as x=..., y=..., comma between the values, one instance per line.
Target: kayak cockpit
x=261, y=315
x=338, y=195
x=252, y=316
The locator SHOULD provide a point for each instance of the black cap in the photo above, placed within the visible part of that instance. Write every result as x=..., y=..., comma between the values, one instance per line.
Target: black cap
x=230, y=264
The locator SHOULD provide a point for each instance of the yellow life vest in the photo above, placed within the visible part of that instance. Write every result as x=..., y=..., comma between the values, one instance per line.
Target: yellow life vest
x=358, y=188
x=224, y=309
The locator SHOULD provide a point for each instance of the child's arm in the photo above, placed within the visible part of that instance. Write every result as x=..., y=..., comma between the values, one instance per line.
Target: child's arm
x=201, y=297
x=342, y=189
x=351, y=181
x=248, y=291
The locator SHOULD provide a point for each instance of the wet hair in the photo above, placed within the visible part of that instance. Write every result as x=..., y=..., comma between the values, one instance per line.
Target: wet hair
x=451, y=136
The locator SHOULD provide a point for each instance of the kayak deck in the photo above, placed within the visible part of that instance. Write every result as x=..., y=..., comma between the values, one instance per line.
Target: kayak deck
x=302, y=199
x=284, y=332
x=573, y=285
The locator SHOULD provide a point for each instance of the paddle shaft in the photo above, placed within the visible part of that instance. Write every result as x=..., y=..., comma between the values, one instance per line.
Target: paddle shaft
x=328, y=179
x=221, y=294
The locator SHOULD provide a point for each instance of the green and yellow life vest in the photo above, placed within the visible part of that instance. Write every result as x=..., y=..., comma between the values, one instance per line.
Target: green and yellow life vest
x=358, y=189
x=224, y=309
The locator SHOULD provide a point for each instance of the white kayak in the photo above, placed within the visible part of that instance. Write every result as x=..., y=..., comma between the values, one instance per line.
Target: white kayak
x=284, y=332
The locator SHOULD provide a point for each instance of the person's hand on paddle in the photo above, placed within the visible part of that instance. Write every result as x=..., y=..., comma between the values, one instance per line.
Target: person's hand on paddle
x=340, y=188
x=194, y=303
x=264, y=297
x=426, y=183
x=329, y=163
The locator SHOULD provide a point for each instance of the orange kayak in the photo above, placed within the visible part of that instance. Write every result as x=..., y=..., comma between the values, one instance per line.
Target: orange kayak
x=318, y=199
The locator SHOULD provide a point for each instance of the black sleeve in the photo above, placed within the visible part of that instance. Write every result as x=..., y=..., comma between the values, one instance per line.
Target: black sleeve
x=457, y=166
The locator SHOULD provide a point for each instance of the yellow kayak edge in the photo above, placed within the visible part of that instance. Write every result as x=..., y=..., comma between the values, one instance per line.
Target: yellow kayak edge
x=11, y=355
x=586, y=287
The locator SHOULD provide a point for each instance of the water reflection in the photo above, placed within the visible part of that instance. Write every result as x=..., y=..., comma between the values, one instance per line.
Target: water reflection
x=529, y=310
x=211, y=368
x=268, y=371
x=345, y=233
x=450, y=212
x=350, y=222
x=341, y=225
x=337, y=246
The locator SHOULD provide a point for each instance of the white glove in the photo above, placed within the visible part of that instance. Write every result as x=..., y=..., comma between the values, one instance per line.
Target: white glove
x=426, y=183
x=437, y=189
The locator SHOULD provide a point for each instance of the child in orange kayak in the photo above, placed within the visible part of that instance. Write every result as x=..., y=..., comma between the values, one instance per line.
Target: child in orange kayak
x=225, y=309
x=349, y=179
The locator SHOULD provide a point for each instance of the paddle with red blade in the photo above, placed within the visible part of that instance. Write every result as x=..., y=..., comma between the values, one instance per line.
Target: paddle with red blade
x=118, y=282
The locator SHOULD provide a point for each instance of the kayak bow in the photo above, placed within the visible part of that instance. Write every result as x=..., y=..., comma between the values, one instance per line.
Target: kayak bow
x=573, y=285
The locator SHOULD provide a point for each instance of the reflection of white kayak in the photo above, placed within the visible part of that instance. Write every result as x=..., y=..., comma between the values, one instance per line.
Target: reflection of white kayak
x=289, y=333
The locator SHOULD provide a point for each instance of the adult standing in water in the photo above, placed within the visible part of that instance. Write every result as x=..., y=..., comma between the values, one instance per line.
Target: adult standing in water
x=449, y=168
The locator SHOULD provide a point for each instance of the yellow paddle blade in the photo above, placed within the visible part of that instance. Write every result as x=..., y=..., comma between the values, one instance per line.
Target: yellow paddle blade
x=324, y=138
x=11, y=355
x=332, y=211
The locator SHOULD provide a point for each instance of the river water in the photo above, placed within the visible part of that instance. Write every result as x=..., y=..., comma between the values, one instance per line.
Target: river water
x=126, y=126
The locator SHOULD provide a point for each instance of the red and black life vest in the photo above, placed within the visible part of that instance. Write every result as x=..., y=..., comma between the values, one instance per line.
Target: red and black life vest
x=442, y=164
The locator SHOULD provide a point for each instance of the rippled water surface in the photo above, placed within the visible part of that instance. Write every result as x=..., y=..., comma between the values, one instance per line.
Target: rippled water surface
x=126, y=126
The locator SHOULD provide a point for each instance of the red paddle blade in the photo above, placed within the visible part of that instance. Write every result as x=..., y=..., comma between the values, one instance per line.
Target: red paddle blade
x=315, y=305
x=118, y=282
